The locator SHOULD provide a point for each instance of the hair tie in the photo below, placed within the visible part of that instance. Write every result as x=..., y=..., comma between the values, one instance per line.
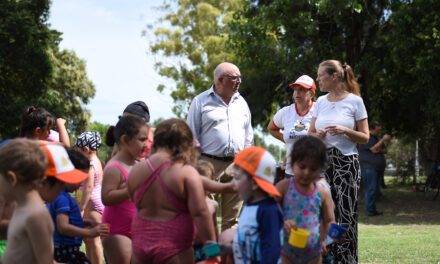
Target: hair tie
x=32, y=109
x=344, y=66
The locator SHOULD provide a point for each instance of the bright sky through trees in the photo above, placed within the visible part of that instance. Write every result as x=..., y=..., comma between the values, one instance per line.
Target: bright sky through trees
x=107, y=35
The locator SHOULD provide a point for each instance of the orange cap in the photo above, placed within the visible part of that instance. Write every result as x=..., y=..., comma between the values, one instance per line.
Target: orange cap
x=60, y=166
x=261, y=165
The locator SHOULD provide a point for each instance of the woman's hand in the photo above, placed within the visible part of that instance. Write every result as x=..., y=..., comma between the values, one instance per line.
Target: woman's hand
x=321, y=133
x=336, y=130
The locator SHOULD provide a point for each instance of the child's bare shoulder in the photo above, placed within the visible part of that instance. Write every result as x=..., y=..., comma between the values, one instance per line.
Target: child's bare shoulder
x=324, y=192
x=283, y=185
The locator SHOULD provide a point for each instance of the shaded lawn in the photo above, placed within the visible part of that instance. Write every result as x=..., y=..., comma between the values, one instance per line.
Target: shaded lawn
x=407, y=232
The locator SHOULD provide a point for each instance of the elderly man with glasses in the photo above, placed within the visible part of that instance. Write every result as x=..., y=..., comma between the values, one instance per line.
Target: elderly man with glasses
x=220, y=120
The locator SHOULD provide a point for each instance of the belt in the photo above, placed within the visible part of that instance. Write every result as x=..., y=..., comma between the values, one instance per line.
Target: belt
x=218, y=158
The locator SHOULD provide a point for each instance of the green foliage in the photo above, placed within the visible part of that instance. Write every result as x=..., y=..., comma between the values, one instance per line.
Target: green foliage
x=69, y=89
x=406, y=80
x=278, y=152
x=33, y=71
x=401, y=155
x=157, y=121
x=104, y=152
x=194, y=36
x=24, y=63
x=277, y=41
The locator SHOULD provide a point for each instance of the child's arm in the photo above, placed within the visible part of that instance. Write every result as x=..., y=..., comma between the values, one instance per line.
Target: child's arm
x=87, y=192
x=39, y=228
x=197, y=205
x=112, y=181
x=67, y=229
x=216, y=187
x=214, y=219
x=64, y=136
x=282, y=187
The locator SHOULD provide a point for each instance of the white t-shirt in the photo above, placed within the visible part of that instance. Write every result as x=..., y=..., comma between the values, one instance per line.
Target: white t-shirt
x=294, y=125
x=344, y=113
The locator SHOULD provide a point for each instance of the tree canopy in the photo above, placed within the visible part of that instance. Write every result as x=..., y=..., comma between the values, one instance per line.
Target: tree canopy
x=34, y=71
x=193, y=34
x=391, y=45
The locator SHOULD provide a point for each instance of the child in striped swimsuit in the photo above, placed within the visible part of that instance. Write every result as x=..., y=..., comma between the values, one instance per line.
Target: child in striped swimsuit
x=88, y=196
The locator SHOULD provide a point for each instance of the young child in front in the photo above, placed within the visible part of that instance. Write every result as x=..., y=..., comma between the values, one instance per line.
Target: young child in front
x=305, y=202
x=89, y=194
x=258, y=235
x=22, y=166
x=69, y=225
x=130, y=133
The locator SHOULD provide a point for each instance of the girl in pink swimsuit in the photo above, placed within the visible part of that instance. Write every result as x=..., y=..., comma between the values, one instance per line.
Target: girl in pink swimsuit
x=170, y=199
x=131, y=134
x=88, y=196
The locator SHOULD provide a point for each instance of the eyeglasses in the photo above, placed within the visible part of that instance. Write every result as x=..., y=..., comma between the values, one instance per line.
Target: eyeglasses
x=234, y=78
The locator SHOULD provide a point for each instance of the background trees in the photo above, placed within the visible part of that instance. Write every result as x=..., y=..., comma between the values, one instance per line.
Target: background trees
x=193, y=34
x=392, y=46
x=33, y=71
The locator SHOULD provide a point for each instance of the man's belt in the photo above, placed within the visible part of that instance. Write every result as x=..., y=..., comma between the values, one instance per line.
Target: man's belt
x=218, y=158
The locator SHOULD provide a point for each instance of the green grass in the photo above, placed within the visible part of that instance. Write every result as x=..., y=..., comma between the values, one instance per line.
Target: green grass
x=408, y=232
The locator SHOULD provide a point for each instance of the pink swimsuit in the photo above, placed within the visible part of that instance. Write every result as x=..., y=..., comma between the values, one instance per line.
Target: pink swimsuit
x=157, y=241
x=120, y=215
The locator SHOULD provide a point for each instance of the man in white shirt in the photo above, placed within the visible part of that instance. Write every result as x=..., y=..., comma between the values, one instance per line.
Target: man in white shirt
x=220, y=120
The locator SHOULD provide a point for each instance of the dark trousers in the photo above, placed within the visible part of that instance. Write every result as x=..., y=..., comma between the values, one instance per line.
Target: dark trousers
x=372, y=185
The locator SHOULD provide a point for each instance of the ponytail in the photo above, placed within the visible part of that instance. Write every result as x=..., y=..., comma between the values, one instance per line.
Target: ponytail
x=350, y=81
x=109, y=136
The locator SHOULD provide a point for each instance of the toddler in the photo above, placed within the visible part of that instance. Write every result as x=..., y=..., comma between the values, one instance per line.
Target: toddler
x=258, y=235
x=305, y=202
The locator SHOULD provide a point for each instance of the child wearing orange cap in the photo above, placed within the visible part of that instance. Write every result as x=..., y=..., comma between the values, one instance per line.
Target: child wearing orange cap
x=69, y=225
x=258, y=235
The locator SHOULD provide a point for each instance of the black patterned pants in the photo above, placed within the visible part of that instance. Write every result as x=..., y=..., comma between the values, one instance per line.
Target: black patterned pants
x=344, y=174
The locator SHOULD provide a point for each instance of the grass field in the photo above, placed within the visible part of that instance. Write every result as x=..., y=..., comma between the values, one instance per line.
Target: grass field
x=407, y=232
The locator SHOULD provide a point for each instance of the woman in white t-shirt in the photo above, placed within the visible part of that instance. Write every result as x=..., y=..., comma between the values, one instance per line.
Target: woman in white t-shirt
x=295, y=118
x=340, y=120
